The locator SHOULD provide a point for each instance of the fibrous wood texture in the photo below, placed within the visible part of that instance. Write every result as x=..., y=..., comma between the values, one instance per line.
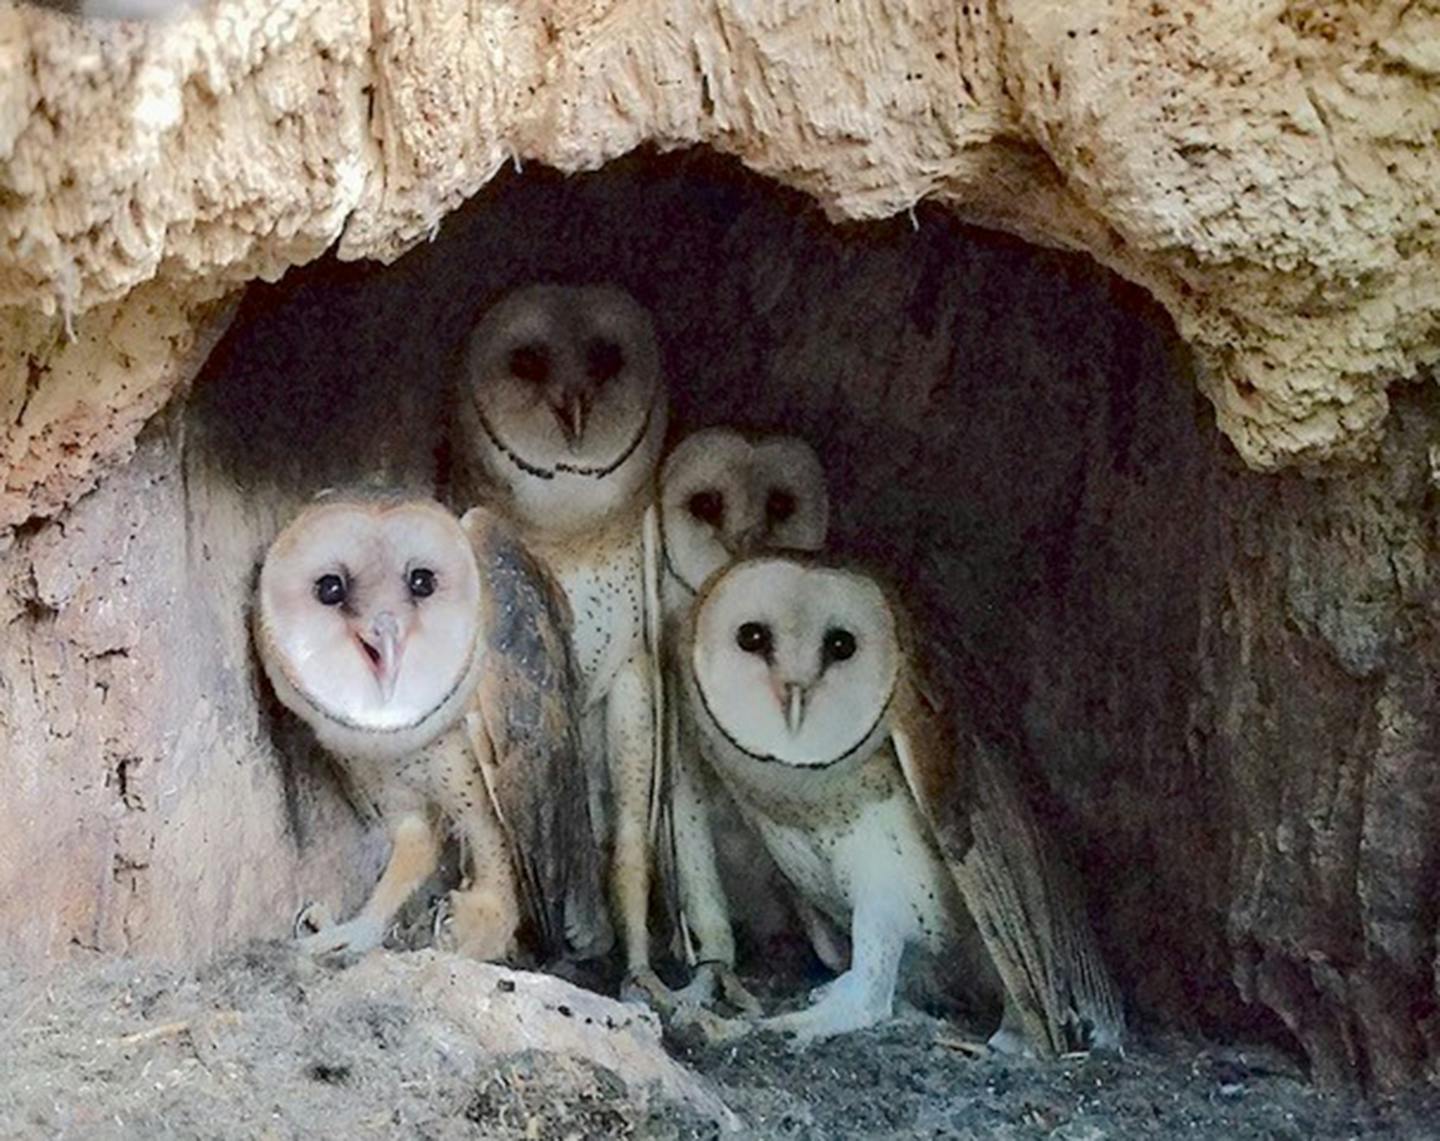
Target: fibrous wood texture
x=1217, y=680
x=1268, y=171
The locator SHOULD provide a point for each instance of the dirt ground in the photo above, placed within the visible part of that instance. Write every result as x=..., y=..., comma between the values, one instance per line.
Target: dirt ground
x=263, y=1044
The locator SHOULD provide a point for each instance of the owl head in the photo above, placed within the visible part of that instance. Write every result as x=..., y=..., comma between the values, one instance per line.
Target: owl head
x=794, y=661
x=367, y=621
x=561, y=401
x=723, y=496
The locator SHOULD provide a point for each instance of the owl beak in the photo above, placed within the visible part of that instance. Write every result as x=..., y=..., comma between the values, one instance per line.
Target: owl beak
x=571, y=416
x=383, y=647
x=748, y=541
x=794, y=707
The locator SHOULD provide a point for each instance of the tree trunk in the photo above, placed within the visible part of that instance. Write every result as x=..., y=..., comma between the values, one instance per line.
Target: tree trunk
x=1220, y=680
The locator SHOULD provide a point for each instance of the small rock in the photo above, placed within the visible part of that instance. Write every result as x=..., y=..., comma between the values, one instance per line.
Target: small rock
x=535, y=1013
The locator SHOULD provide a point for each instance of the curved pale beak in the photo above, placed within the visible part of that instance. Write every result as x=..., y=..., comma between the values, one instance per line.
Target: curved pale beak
x=571, y=417
x=794, y=707
x=384, y=649
x=748, y=541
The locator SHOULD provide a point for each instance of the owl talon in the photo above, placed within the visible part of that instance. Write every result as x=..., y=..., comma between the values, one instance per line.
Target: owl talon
x=714, y=1029
x=850, y=1003
x=965, y=1046
x=442, y=936
x=1010, y=1037
x=817, y=994
x=477, y=924
x=644, y=988
x=311, y=919
x=1009, y=1042
x=714, y=981
x=700, y=990
x=344, y=944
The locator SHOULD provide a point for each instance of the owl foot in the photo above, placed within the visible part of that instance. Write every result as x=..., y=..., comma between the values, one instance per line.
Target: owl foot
x=478, y=924
x=1011, y=1042
x=849, y=1004
x=644, y=988
x=340, y=944
x=965, y=1046
x=1010, y=1038
x=311, y=917
x=713, y=1029
x=817, y=993
x=715, y=980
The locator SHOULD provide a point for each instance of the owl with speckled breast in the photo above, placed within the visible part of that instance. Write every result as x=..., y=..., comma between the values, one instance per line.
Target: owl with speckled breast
x=561, y=407
x=428, y=655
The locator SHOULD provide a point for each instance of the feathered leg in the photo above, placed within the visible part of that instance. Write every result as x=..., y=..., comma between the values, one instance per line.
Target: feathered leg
x=703, y=908
x=414, y=854
x=865, y=994
x=630, y=752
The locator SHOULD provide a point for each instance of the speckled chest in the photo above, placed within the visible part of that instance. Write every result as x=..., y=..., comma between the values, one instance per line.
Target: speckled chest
x=440, y=773
x=835, y=835
x=603, y=580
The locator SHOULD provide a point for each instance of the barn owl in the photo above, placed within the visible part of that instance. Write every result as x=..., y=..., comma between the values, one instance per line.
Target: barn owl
x=562, y=411
x=723, y=495
x=429, y=657
x=808, y=702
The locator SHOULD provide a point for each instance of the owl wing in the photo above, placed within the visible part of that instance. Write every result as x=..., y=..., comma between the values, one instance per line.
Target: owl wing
x=1029, y=911
x=527, y=702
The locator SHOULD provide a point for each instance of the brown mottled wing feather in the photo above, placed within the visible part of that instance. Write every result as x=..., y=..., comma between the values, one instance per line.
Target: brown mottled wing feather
x=1028, y=909
x=528, y=700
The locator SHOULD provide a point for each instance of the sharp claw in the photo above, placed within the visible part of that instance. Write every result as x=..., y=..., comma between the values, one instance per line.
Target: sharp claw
x=964, y=1046
x=713, y=1028
x=718, y=981
x=738, y=995
x=311, y=919
x=644, y=988
x=440, y=925
x=342, y=944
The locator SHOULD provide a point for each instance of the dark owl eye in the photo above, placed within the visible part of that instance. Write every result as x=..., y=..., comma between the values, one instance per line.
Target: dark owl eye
x=603, y=359
x=779, y=505
x=754, y=638
x=330, y=589
x=530, y=363
x=839, y=645
x=707, y=506
x=421, y=582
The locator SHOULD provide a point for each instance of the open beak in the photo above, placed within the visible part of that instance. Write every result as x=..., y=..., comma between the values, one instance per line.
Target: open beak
x=794, y=707
x=382, y=645
x=571, y=416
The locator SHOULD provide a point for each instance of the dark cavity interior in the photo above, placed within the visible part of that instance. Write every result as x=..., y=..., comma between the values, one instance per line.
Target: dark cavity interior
x=1010, y=432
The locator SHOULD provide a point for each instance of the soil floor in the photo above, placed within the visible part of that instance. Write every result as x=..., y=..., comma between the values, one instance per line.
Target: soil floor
x=240, y=1049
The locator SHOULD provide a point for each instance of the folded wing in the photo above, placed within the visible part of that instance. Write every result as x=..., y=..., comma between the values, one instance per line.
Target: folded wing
x=528, y=705
x=1024, y=901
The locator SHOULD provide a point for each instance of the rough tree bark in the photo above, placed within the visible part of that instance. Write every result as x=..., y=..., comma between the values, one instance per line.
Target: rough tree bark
x=1222, y=678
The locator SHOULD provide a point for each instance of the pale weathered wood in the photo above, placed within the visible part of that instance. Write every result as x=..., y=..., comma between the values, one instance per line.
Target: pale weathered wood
x=1268, y=173
x=1223, y=684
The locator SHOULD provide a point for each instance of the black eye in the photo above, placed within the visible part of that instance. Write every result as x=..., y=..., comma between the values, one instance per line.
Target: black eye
x=754, y=638
x=779, y=505
x=839, y=645
x=603, y=359
x=531, y=363
x=707, y=506
x=421, y=582
x=330, y=589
